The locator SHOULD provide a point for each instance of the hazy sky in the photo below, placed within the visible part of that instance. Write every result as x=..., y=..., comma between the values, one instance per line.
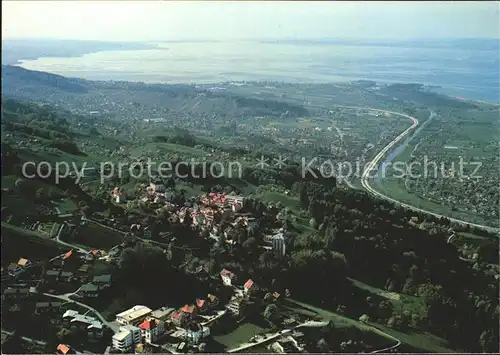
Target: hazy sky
x=168, y=20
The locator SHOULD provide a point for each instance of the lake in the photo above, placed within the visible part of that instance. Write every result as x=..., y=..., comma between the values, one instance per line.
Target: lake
x=464, y=68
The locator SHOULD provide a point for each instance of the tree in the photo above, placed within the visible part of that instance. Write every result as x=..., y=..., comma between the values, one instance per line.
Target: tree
x=385, y=309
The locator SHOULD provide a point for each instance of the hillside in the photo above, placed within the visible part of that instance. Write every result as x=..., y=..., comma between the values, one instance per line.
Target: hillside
x=86, y=96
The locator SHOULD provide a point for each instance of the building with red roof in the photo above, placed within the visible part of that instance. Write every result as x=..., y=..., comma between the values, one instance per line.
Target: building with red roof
x=227, y=277
x=151, y=329
x=249, y=286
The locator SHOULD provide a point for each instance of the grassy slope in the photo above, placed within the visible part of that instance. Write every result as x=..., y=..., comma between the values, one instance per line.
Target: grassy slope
x=18, y=242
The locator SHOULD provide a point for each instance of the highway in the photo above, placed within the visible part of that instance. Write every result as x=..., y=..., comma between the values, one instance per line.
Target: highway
x=373, y=164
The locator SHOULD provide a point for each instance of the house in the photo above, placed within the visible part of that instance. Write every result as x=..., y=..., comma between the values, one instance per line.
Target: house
x=215, y=199
x=202, y=305
x=47, y=307
x=227, y=277
x=94, y=254
x=213, y=301
x=102, y=281
x=58, y=275
x=118, y=195
x=147, y=233
x=15, y=270
x=179, y=319
x=51, y=275
x=134, y=315
x=234, y=200
x=16, y=293
x=249, y=287
x=88, y=290
x=190, y=310
x=126, y=338
x=23, y=262
x=236, y=207
x=198, y=218
x=67, y=255
x=195, y=333
x=151, y=329
x=65, y=276
x=65, y=349
x=156, y=185
x=201, y=273
x=70, y=258
x=135, y=229
x=84, y=269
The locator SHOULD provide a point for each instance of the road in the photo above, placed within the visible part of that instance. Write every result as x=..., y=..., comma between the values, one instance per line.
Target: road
x=372, y=165
x=65, y=297
x=72, y=246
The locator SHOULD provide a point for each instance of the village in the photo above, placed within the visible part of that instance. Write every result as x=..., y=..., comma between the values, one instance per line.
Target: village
x=62, y=289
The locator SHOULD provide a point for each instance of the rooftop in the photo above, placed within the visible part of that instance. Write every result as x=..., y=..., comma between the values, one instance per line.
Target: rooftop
x=90, y=287
x=162, y=312
x=120, y=336
x=102, y=278
x=134, y=313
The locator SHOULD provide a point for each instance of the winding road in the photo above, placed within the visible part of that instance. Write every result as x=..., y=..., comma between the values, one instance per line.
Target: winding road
x=69, y=245
x=373, y=164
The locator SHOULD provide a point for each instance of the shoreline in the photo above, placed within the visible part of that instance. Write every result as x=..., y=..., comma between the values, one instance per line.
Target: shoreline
x=341, y=80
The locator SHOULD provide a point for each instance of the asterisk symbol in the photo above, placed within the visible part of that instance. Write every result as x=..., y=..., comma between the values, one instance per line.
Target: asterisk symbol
x=262, y=162
x=280, y=162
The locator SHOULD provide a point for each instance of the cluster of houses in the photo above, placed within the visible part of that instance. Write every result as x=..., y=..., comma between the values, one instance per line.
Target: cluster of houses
x=74, y=266
x=63, y=272
x=205, y=212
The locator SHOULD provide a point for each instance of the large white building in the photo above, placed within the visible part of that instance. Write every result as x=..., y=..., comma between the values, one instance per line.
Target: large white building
x=126, y=338
x=134, y=315
x=277, y=242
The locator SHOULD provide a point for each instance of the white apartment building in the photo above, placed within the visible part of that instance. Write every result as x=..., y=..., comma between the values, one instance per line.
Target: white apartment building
x=126, y=338
x=277, y=242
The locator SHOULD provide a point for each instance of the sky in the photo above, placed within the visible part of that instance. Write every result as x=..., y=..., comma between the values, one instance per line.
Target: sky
x=222, y=20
